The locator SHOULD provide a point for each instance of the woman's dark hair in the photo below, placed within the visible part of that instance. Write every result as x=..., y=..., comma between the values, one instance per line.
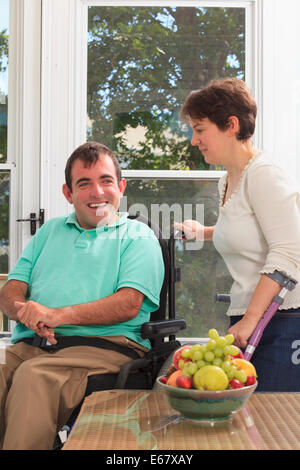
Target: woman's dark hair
x=89, y=153
x=219, y=100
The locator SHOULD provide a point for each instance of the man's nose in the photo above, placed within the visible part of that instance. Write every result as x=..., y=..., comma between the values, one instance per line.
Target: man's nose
x=97, y=190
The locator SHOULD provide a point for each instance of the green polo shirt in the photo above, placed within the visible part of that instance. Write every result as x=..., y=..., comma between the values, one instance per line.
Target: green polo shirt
x=66, y=265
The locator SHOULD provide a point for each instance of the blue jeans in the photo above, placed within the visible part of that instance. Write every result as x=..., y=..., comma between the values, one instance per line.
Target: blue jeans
x=277, y=357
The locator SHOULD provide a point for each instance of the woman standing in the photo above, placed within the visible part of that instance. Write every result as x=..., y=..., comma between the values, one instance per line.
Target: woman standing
x=258, y=227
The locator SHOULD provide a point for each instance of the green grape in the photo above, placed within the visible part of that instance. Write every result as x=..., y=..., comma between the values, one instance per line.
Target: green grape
x=210, y=345
x=186, y=353
x=221, y=342
x=233, y=350
x=226, y=366
x=231, y=373
x=217, y=361
x=181, y=363
x=229, y=339
x=226, y=350
x=194, y=348
x=218, y=352
x=186, y=372
x=201, y=363
x=197, y=356
x=192, y=368
x=209, y=356
x=240, y=375
x=213, y=334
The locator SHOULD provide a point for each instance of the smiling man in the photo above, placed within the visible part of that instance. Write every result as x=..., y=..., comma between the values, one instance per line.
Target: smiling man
x=80, y=292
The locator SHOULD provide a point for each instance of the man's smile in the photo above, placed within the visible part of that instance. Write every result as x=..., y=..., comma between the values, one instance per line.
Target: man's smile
x=95, y=205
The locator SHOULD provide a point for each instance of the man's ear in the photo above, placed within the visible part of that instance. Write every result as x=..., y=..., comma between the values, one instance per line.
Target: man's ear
x=122, y=186
x=67, y=193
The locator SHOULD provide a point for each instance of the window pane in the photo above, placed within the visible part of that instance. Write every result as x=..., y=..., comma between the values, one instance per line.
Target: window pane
x=4, y=23
x=203, y=272
x=142, y=62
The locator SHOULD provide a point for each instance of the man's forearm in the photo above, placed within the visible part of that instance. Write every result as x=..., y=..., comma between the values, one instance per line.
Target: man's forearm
x=116, y=308
x=11, y=292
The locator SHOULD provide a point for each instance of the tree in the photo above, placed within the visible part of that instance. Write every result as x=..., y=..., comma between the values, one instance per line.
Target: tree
x=142, y=62
x=3, y=50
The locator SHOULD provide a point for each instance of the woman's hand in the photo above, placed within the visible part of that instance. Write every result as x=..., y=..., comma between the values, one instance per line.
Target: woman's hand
x=242, y=331
x=192, y=229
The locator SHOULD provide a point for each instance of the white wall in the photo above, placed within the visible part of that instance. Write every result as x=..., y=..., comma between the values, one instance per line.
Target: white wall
x=281, y=82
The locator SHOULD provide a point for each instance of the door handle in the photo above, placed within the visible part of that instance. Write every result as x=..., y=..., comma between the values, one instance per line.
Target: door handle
x=33, y=220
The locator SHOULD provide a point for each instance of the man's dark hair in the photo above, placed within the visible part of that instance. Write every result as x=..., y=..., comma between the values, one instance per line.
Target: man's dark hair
x=89, y=153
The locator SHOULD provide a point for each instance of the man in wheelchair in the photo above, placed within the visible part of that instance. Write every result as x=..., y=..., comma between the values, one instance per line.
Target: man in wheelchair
x=79, y=293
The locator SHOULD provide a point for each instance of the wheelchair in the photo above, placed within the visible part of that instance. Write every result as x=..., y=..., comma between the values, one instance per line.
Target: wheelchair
x=161, y=330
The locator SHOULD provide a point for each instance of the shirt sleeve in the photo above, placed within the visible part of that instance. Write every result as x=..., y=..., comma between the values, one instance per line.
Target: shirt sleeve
x=142, y=268
x=22, y=269
x=275, y=201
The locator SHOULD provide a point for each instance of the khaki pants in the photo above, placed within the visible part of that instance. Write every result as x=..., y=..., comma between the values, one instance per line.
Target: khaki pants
x=39, y=389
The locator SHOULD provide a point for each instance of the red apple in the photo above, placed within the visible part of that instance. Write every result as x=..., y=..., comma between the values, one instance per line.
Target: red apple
x=164, y=379
x=235, y=383
x=251, y=379
x=184, y=382
x=177, y=356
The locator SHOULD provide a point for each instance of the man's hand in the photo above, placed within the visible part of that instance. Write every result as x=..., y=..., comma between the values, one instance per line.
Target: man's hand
x=38, y=318
x=119, y=307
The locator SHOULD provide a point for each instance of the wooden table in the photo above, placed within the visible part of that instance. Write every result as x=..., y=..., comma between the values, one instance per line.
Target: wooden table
x=142, y=420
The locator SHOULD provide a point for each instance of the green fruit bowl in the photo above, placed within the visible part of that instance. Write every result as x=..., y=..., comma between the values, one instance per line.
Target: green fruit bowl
x=206, y=405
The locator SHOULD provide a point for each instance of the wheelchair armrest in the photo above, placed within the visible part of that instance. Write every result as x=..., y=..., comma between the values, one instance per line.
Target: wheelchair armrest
x=154, y=329
x=151, y=359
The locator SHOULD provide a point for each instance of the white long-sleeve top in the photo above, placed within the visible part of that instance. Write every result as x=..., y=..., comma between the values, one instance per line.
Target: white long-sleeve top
x=258, y=231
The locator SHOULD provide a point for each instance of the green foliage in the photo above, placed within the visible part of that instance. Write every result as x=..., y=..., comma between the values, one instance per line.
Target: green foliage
x=3, y=50
x=142, y=62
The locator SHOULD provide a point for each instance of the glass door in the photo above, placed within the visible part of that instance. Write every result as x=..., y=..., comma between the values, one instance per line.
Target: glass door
x=20, y=31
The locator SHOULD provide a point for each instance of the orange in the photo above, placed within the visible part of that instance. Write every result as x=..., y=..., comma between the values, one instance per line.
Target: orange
x=172, y=379
x=245, y=366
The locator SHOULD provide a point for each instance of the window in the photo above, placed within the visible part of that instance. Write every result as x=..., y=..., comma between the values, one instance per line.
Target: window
x=142, y=63
x=4, y=167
